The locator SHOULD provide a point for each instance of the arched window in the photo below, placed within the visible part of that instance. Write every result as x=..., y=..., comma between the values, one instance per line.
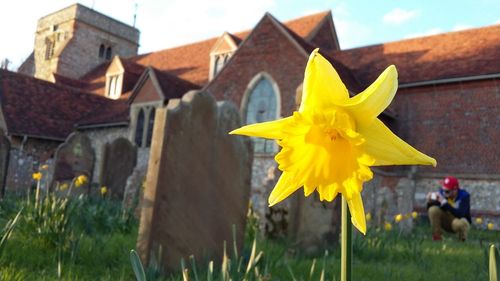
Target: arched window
x=139, y=129
x=108, y=53
x=101, y=51
x=261, y=106
x=219, y=63
x=151, y=123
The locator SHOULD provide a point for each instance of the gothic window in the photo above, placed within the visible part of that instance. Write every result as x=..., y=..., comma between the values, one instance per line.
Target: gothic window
x=151, y=123
x=219, y=63
x=261, y=106
x=49, y=48
x=113, y=90
x=101, y=51
x=108, y=53
x=139, y=129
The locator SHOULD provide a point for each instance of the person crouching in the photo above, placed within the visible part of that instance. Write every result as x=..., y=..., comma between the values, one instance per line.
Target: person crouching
x=449, y=209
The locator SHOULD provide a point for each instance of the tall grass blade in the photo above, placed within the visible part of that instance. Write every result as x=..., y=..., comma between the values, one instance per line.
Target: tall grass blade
x=9, y=227
x=311, y=272
x=193, y=266
x=210, y=272
x=494, y=264
x=140, y=275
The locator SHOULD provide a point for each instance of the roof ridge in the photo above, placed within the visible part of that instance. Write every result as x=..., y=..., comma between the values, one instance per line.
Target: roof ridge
x=407, y=40
x=323, y=13
x=326, y=12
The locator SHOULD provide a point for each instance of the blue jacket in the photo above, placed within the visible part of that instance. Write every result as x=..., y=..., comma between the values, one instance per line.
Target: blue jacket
x=462, y=205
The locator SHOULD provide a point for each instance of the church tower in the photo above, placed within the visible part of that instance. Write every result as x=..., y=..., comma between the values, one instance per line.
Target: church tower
x=76, y=39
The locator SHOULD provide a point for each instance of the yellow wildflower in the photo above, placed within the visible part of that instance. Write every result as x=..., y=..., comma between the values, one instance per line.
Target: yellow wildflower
x=104, y=190
x=368, y=216
x=479, y=220
x=81, y=180
x=44, y=167
x=331, y=142
x=398, y=218
x=490, y=226
x=387, y=226
x=414, y=215
x=37, y=176
x=63, y=186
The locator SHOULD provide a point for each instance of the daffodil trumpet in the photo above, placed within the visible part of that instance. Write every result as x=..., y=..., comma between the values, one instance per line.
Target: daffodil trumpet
x=331, y=142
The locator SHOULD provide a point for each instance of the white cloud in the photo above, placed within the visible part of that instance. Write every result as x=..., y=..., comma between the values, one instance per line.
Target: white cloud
x=398, y=16
x=432, y=31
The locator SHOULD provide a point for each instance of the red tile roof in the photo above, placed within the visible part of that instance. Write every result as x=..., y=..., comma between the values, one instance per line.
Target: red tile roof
x=42, y=109
x=450, y=55
x=172, y=86
x=191, y=62
x=304, y=26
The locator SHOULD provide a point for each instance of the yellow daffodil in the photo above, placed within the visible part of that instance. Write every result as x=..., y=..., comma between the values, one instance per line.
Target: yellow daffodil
x=398, y=218
x=104, y=190
x=479, y=220
x=368, y=216
x=81, y=180
x=37, y=176
x=490, y=226
x=387, y=226
x=63, y=186
x=414, y=215
x=329, y=144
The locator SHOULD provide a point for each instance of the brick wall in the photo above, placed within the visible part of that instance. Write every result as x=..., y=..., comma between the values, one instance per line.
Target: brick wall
x=457, y=124
x=266, y=49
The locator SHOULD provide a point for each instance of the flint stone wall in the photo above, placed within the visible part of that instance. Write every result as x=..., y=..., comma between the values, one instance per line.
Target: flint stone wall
x=386, y=196
x=198, y=182
x=98, y=139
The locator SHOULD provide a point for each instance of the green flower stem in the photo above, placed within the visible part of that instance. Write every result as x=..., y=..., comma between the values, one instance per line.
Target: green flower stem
x=346, y=244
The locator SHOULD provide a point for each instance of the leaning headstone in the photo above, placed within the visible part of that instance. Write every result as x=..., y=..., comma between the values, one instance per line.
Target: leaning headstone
x=4, y=161
x=198, y=182
x=120, y=158
x=73, y=158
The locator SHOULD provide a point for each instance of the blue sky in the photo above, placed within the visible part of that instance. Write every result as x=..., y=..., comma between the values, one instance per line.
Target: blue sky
x=170, y=23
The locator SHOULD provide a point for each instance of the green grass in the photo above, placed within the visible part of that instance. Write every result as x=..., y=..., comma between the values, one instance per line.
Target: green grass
x=101, y=238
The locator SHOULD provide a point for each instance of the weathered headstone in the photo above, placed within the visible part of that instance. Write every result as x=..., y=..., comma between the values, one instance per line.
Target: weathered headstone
x=73, y=158
x=119, y=160
x=4, y=161
x=198, y=182
x=314, y=225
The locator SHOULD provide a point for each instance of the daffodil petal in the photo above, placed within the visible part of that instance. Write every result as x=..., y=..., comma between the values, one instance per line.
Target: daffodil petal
x=357, y=212
x=389, y=149
x=323, y=87
x=367, y=105
x=269, y=130
x=286, y=185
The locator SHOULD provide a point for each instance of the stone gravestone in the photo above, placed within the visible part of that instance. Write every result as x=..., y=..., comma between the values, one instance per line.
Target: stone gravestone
x=198, y=182
x=119, y=160
x=73, y=158
x=314, y=225
x=4, y=161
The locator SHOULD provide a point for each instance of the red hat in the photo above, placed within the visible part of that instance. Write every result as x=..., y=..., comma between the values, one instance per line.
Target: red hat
x=450, y=183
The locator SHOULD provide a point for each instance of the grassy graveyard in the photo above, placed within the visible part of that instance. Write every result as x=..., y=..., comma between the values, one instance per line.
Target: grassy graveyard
x=91, y=238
